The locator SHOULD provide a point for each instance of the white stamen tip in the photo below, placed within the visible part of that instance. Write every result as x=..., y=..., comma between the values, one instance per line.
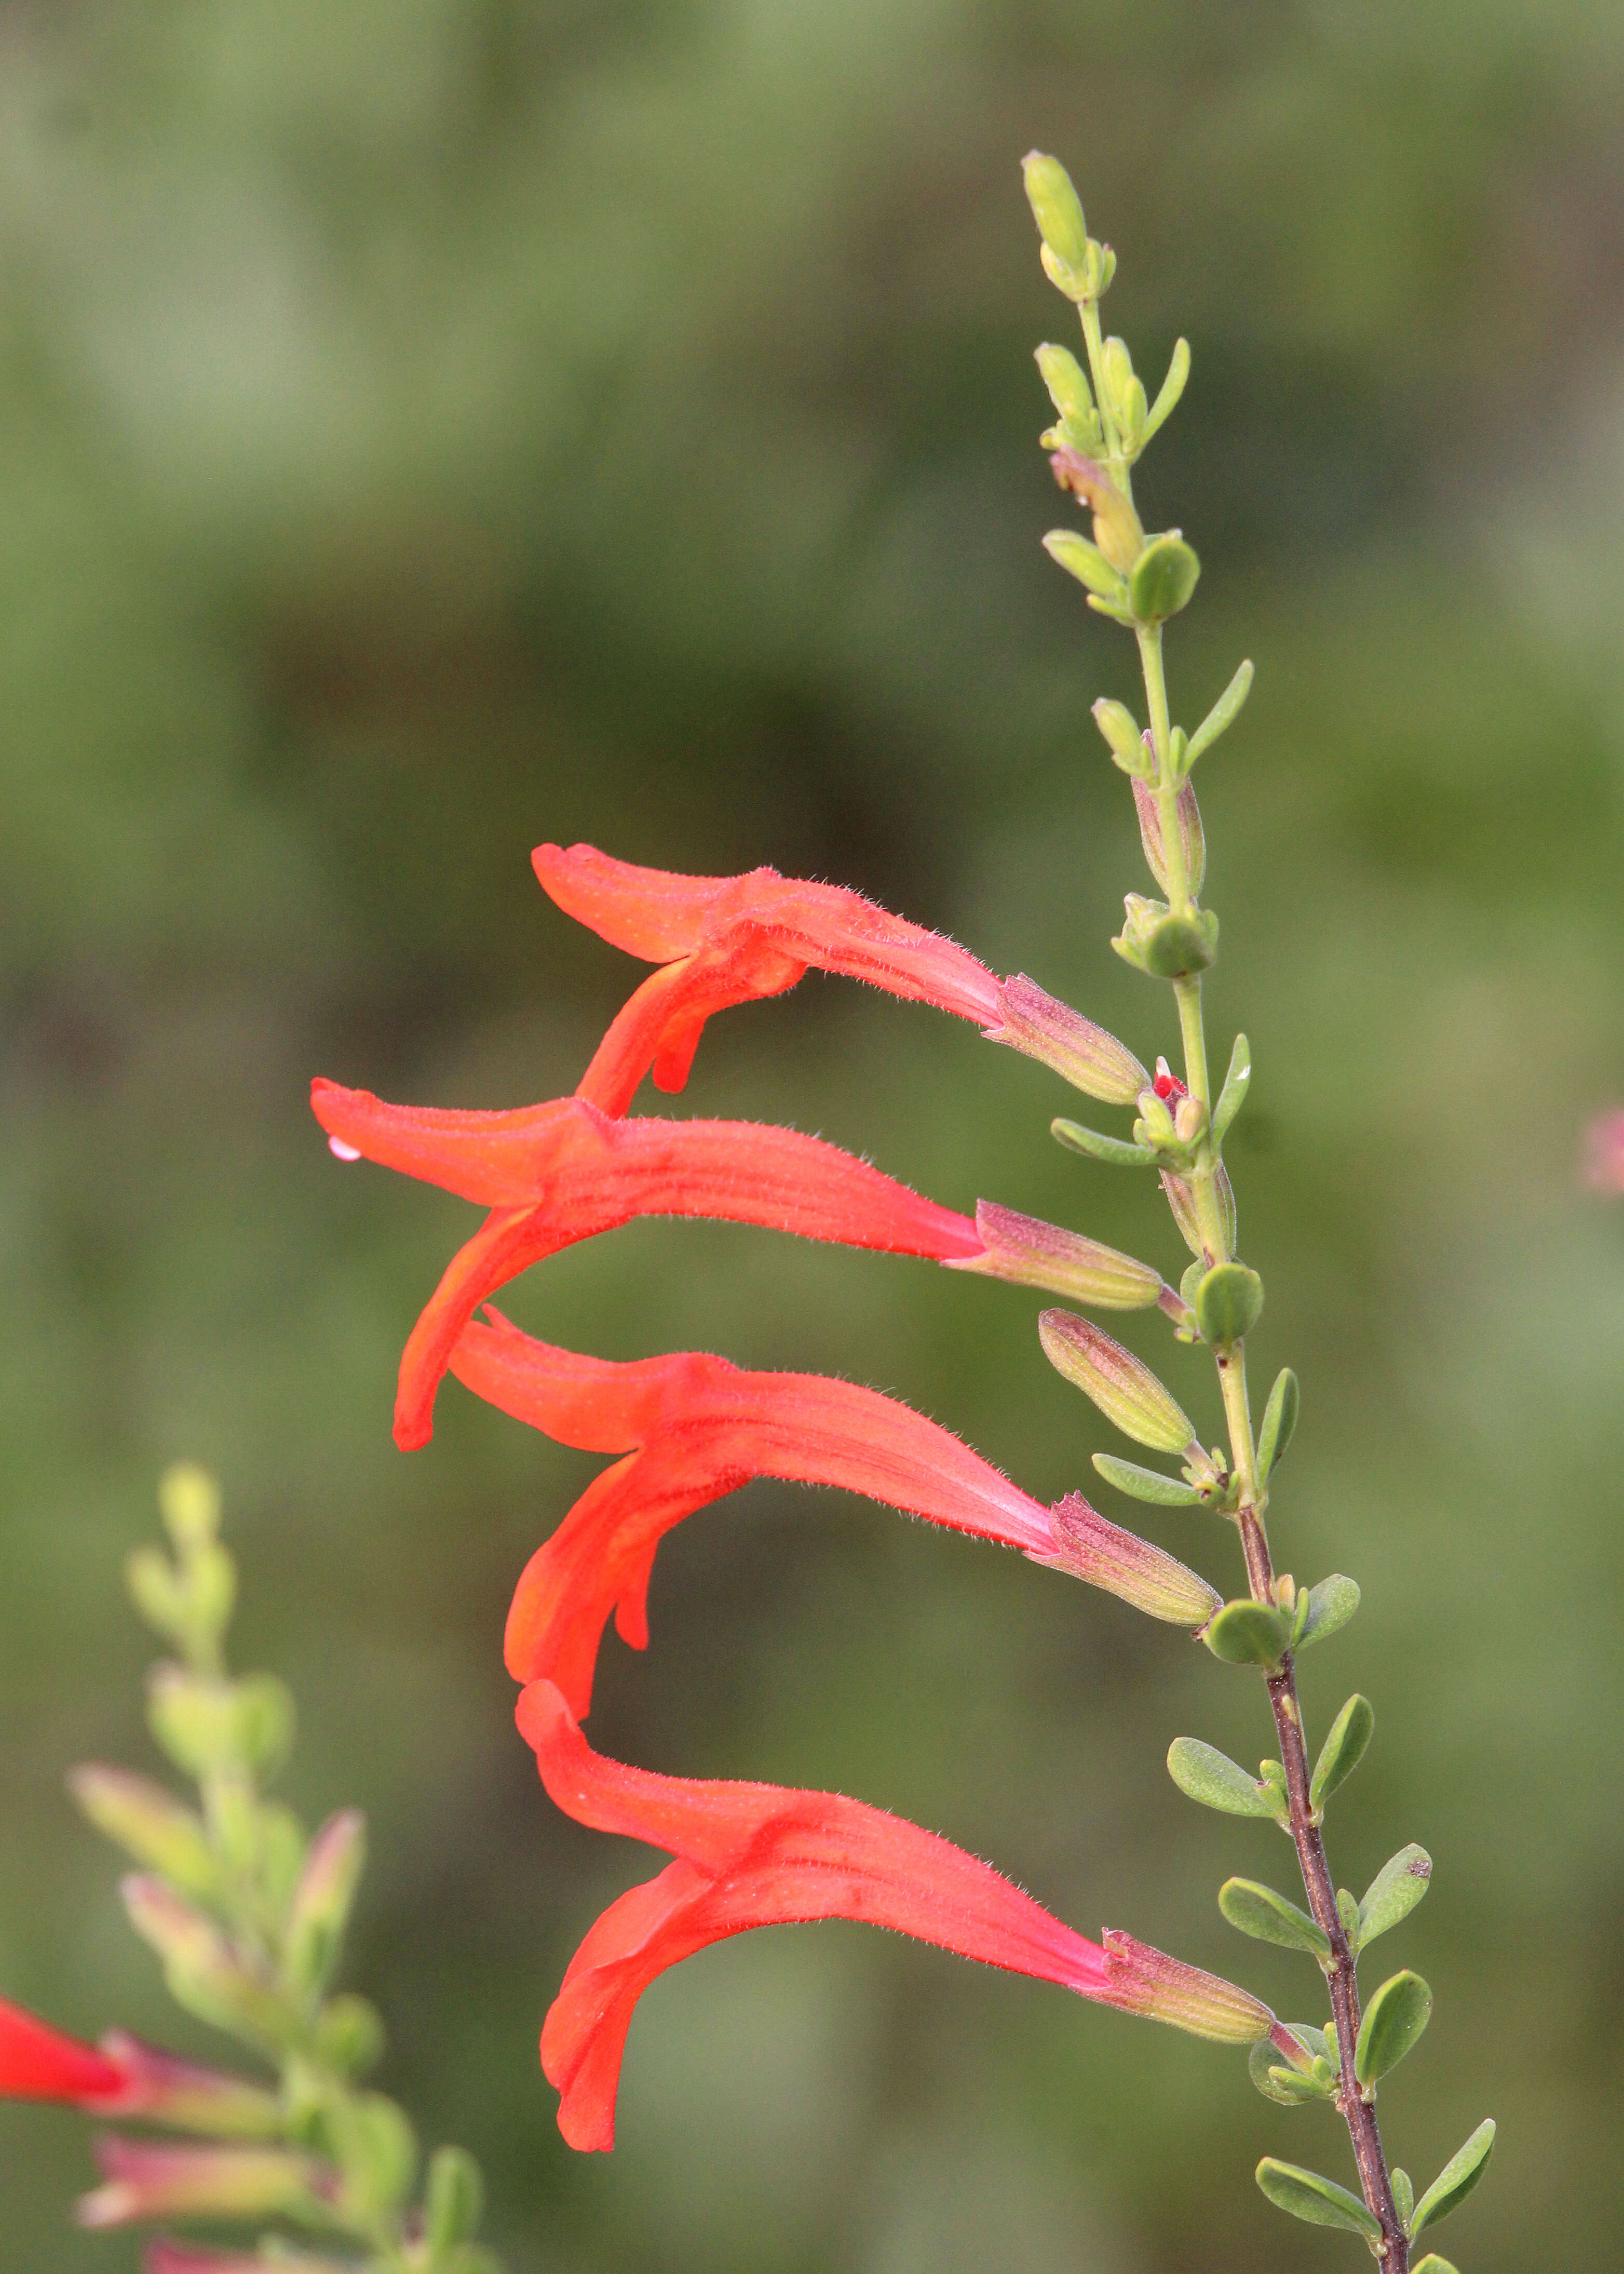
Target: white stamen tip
x=341, y=1151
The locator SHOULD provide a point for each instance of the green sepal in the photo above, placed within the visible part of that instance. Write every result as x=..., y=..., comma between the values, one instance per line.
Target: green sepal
x=1343, y=1751
x=1223, y=714
x=1319, y=2203
x=1394, y=2018
x=1163, y=578
x=1202, y=1772
x=1167, y=397
x=1394, y=1892
x=1433, y=2264
x=1245, y=1633
x=1291, y=2087
x=1266, y=1916
x=1234, y=1091
x=1227, y=1303
x=1115, y=1150
x=1403, y=2196
x=454, y=2201
x=1330, y=1607
x=1459, y=2176
x=1278, y=1416
x=1122, y=1386
x=1147, y=1484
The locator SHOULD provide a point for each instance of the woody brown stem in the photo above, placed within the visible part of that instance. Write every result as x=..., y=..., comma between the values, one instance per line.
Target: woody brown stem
x=1341, y=1973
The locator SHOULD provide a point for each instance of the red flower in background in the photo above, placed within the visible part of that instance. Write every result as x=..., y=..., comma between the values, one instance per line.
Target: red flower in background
x=759, y=1855
x=695, y=1427
x=39, y=2063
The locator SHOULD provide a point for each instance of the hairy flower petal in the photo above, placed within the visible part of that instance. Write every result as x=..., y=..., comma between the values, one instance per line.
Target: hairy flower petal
x=753, y=1854
x=764, y=1855
x=696, y=1427
x=560, y=1172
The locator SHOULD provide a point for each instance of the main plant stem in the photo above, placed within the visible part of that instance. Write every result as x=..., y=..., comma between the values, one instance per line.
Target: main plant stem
x=1340, y=1973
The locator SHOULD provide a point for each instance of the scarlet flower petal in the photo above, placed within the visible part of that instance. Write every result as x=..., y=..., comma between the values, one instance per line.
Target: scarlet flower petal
x=557, y=1173
x=696, y=1427
x=755, y=1855
x=653, y=913
x=39, y=2063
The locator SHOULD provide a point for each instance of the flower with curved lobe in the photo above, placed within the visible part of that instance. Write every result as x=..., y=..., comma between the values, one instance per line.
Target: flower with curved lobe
x=695, y=1427
x=759, y=1855
x=560, y=1172
x=724, y=940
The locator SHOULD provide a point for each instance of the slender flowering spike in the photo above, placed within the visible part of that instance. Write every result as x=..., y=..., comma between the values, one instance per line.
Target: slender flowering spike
x=695, y=1427
x=142, y=2181
x=557, y=1173
x=39, y=2063
x=759, y=1855
x=732, y=939
x=1090, y=1060
x=1091, y=1547
x=1024, y=1249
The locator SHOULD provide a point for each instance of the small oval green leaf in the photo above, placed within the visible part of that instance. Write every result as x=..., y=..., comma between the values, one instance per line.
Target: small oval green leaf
x=1403, y=2197
x=1248, y=1634
x=1291, y=2087
x=1145, y=1484
x=1330, y=1607
x=1319, y=2201
x=1116, y=1150
x=1279, y=1420
x=1176, y=946
x=1204, y=1773
x=1394, y=2021
x=1343, y=1748
x=1459, y=2176
x=1267, y=1917
x=1227, y=1303
x=1074, y=554
x=1163, y=578
x=1433, y=2264
x=1394, y=1892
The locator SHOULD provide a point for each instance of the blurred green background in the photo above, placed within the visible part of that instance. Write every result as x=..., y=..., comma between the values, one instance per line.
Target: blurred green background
x=434, y=426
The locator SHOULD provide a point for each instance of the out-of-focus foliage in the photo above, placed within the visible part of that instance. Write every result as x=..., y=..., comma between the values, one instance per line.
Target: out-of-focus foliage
x=432, y=427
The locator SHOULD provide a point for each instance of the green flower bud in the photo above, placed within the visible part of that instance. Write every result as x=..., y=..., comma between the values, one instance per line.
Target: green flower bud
x=149, y=1824
x=1163, y=578
x=189, y=1503
x=1069, y=391
x=319, y=1909
x=1055, y=208
x=1126, y=1392
x=1121, y=730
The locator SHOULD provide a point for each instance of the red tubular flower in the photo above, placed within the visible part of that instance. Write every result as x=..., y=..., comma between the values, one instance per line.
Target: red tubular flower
x=732, y=939
x=695, y=1427
x=724, y=940
x=759, y=1855
x=39, y=2063
x=560, y=1172
x=123, y=2077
